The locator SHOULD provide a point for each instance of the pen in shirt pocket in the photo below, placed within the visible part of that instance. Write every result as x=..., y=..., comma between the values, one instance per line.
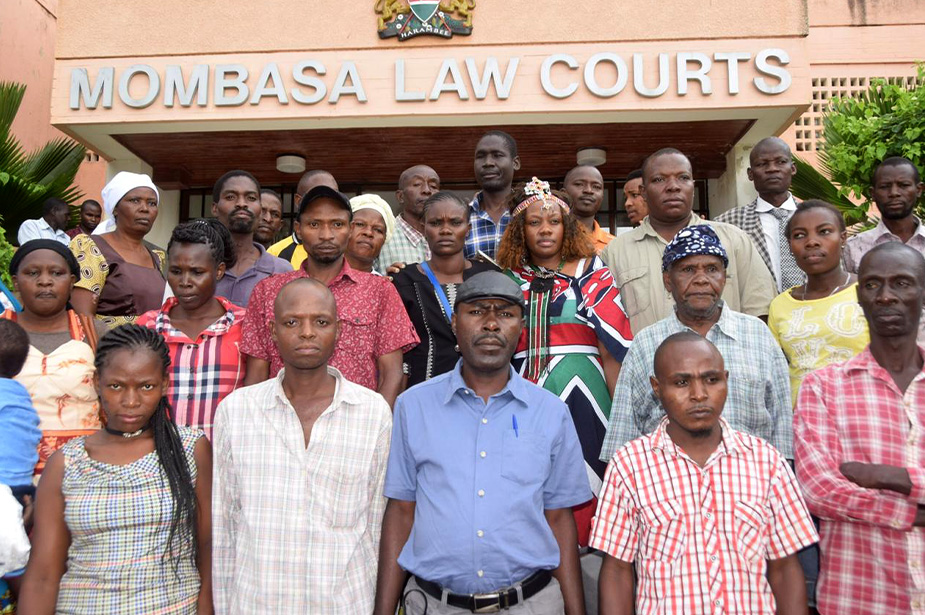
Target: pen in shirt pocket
x=514, y=423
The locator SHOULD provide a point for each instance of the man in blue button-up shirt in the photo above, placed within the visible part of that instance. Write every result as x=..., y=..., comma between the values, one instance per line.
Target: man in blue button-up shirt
x=483, y=471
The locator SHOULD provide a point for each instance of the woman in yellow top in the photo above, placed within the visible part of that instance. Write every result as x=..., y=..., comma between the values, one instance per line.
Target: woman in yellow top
x=120, y=276
x=820, y=322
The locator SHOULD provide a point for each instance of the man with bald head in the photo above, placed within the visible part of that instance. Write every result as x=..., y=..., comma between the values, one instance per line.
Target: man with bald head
x=585, y=188
x=300, y=461
x=711, y=517
x=635, y=258
x=290, y=248
x=771, y=169
x=407, y=245
x=859, y=440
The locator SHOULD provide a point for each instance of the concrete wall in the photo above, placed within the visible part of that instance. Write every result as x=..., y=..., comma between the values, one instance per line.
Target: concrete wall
x=865, y=12
x=27, y=55
x=113, y=28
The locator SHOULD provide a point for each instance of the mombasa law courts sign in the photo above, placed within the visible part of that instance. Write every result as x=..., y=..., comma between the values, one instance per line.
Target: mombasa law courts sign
x=422, y=62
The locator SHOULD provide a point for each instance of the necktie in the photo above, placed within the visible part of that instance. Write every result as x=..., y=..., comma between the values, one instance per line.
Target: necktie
x=790, y=274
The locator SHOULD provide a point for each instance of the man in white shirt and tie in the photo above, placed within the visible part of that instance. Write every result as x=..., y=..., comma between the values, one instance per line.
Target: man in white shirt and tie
x=51, y=225
x=771, y=169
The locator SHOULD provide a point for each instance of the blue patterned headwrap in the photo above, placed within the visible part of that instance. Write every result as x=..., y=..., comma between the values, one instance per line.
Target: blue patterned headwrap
x=692, y=241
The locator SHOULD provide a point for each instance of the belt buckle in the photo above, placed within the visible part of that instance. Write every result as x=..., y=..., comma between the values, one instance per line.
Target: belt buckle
x=488, y=608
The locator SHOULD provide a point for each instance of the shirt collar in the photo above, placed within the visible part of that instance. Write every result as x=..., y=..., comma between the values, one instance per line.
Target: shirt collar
x=645, y=228
x=264, y=262
x=516, y=385
x=762, y=206
x=414, y=236
x=729, y=445
x=881, y=229
x=44, y=224
x=865, y=361
x=475, y=206
x=598, y=233
x=345, y=272
x=219, y=327
x=340, y=398
x=727, y=324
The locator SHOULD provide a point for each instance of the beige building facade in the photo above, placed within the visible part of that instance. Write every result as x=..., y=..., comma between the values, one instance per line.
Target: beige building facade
x=186, y=91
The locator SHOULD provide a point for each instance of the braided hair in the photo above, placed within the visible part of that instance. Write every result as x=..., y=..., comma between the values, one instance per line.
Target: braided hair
x=183, y=536
x=207, y=232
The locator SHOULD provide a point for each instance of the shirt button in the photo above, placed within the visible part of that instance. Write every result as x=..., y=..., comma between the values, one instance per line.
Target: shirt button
x=708, y=515
x=481, y=493
x=481, y=573
x=480, y=533
x=915, y=563
x=712, y=558
x=484, y=421
x=717, y=602
x=483, y=454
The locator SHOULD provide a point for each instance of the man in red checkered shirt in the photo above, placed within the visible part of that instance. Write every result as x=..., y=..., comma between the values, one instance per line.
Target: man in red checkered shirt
x=711, y=517
x=859, y=443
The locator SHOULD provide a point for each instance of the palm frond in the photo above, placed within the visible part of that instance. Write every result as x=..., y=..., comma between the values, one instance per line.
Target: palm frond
x=809, y=183
x=27, y=180
x=60, y=157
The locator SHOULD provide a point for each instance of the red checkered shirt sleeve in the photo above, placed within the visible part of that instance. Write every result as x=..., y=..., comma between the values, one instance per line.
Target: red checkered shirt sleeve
x=256, y=341
x=818, y=454
x=614, y=529
x=791, y=527
x=395, y=331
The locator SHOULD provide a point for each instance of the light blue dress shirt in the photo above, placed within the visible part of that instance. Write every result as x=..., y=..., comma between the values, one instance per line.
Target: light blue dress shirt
x=481, y=486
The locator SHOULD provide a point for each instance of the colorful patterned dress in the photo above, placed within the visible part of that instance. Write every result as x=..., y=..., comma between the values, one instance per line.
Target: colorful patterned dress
x=119, y=520
x=558, y=350
x=60, y=384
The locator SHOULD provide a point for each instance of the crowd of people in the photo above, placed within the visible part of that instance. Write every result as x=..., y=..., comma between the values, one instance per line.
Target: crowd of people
x=470, y=406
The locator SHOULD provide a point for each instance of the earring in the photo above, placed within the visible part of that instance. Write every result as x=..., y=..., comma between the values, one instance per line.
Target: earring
x=456, y=348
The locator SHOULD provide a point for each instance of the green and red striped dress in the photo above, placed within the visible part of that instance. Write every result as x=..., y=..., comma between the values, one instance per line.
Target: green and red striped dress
x=558, y=350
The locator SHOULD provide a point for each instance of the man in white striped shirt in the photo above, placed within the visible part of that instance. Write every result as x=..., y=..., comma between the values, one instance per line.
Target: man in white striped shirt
x=300, y=461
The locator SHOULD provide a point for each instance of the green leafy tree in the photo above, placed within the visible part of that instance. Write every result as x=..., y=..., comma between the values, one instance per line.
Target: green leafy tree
x=28, y=179
x=859, y=132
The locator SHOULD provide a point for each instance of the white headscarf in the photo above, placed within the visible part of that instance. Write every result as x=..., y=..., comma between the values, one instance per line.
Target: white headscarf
x=376, y=203
x=120, y=185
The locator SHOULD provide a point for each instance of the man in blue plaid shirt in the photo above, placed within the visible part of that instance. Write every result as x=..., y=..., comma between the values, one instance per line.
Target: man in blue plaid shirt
x=496, y=160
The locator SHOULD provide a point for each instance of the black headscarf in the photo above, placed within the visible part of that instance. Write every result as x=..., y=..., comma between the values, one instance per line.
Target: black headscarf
x=44, y=244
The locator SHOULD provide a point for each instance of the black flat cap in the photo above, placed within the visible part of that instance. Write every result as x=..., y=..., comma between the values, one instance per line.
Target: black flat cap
x=490, y=285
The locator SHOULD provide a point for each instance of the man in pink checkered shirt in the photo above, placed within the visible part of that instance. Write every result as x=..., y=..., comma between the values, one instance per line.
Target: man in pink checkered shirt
x=711, y=517
x=859, y=442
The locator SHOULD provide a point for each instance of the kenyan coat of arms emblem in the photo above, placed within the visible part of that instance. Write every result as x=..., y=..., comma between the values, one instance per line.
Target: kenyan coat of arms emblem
x=409, y=18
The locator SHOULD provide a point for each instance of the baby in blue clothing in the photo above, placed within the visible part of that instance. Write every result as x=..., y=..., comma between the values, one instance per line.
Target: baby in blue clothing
x=19, y=425
x=19, y=422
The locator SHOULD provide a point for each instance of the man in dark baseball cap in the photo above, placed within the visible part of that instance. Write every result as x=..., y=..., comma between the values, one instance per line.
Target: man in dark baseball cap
x=375, y=328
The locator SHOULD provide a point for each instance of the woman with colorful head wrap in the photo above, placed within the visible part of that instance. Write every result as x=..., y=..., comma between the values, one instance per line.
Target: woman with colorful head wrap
x=576, y=332
x=120, y=276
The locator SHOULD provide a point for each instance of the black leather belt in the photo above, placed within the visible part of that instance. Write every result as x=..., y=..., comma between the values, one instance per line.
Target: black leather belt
x=491, y=602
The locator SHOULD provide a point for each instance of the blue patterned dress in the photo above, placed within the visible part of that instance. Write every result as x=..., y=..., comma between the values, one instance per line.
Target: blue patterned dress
x=119, y=519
